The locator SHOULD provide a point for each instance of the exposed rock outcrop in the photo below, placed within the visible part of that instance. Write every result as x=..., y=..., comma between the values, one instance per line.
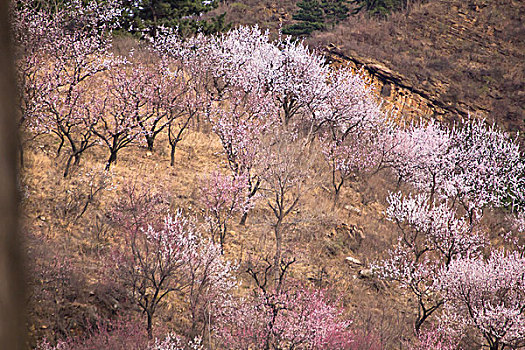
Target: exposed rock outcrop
x=397, y=92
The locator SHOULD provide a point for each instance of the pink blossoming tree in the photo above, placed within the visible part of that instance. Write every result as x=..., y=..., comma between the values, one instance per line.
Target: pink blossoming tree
x=473, y=165
x=173, y=258
x=243, y=125
x=223, y=196
x=488, y=296
x=283, y=317
x=60, y=52
x=117, y=121
x=431, y=237
x=435, y=338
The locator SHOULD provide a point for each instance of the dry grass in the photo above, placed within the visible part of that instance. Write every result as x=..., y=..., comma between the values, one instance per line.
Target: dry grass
x=318, y=235
x=267, y=14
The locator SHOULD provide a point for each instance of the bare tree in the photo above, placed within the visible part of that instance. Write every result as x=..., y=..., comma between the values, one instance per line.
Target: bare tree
x=285, y=181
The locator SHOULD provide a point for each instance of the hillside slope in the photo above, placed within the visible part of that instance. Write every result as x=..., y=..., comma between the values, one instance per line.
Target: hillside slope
x=452, y=57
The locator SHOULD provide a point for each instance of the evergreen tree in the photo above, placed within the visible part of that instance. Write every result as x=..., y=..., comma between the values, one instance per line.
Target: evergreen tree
x=309, y=11
x=379, y=8
x=316, y=15
x=335, y=11
x=148, y=15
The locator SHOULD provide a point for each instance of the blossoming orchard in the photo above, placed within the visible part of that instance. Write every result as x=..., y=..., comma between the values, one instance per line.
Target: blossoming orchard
x=289, y=139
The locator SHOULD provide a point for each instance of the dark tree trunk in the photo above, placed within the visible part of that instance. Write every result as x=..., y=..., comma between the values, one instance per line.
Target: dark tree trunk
x=336, y=184
x=243, y=218
x=68, y=165
x=59, y=149
x=337, y=191
x=222, y=237
x=112, y=159
x=149, y=327
x=278, y=248
x=425, y=313
x=172, y=154
x=77, y=159
x=252, y=193
x=150, y=140
x=336, y=199
x=494, y=346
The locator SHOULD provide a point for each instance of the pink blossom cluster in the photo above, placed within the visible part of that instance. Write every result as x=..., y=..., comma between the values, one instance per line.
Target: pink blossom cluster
x=224, y=196
x=459, y=172
x=488, y=165
x=175, y=257
x=419, y=155
x=435, y=338
x=224, y=193
x=60, y=52
x=354, y=155
x=298, y=318
x=431, y=237
x=297, y=80
x=172, y=342
x=121, y=335
x=348, y=103
x=241, y=125
x=488, y=296
x=474, y=164
x=438, y=224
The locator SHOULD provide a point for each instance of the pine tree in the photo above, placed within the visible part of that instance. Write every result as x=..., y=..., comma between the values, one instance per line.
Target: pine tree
x=379, y=8
x=149, y=15
x=315, y=15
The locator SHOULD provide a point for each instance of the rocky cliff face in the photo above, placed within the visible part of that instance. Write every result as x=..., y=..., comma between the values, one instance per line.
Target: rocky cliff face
x=395, y=90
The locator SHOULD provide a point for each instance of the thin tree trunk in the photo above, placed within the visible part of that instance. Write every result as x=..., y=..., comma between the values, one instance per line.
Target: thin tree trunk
x=172, y=154
x=149, y=327
x=112, y=159
x=278, y=248
x=77, y=159
x=250, y=195
x=222, y=237
x=150, y=140
x=243, y=219
x=494, y=346
x=426, y=314
x=336, y=199
x=68, y=164
x=59, y=149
